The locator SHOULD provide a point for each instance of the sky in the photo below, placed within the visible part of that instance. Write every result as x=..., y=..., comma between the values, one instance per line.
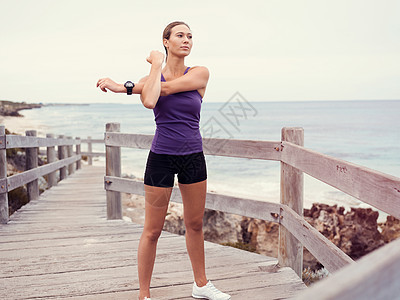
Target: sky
x=267, y=50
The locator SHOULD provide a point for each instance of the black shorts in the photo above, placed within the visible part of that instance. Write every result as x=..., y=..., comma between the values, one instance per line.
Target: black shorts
x=161, y=169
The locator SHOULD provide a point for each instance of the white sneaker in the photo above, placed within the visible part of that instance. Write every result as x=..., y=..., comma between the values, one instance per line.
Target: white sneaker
x=209, y=291
x=145, y=298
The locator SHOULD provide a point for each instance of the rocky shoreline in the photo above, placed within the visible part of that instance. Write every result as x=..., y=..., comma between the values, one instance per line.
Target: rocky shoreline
x=11, y=109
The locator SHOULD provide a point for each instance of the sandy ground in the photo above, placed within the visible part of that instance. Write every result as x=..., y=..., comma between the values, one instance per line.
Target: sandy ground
x=19, y=125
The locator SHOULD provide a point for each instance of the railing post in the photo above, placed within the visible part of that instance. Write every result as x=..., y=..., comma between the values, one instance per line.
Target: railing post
x=51, y=157
x=78, y=151
x=113, y=168
x=290, y=250
x=70, y=152
x=62, y=155
x=31, y=163
x=3, y=176
x=89, y=149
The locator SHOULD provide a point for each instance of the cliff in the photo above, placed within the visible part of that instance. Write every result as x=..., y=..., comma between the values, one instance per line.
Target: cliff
x=9, y=108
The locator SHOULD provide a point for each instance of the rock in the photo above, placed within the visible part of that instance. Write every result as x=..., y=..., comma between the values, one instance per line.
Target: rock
x=355, y=232
x=359, y=233
x=133, y=207
x=262, y=235
x=219, y=227
x=174, y=220
x=390, y=229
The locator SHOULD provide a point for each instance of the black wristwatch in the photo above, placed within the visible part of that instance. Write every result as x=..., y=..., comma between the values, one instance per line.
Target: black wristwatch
x=129, y=85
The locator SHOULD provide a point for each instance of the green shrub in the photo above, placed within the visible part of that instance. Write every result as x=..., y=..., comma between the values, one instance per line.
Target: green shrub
x=242, y=246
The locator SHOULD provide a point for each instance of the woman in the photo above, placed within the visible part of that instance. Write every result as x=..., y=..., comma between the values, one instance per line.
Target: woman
x=175, y=94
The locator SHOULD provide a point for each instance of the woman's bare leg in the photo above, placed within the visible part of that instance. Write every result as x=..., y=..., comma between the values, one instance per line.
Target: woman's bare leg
x=194, y=198
x=156, y=206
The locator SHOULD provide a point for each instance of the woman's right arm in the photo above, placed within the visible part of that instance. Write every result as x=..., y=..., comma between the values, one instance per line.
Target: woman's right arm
x=107, y=84
x=152, y=86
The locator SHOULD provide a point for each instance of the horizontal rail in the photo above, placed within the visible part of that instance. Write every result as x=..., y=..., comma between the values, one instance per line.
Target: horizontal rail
x=93, y=153
x=375, y=188
x=265, y=150
x=20, y=179
x=245, y=207
x=139, y=141
x=20, y=141
x=94, y=141
x=328, y=254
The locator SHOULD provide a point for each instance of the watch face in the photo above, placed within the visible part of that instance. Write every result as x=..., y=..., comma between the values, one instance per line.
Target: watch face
x=128, y=84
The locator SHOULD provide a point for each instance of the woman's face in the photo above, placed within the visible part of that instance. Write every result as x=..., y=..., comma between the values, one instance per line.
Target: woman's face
x=180, y=41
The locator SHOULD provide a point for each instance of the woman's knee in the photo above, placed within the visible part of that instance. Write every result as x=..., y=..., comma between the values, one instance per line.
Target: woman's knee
x=194, y=225
x=151, y=234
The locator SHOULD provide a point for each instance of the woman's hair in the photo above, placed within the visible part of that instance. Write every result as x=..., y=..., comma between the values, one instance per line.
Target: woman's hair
x=167, y=31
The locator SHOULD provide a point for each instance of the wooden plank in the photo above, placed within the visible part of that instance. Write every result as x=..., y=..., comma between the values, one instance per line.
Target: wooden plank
x=374, y=276
x=20, y=179
x=70, y=152
x=139, y=141
x=245, y=207
x=113, y=168
x=266, y=150
x=89, y=148
x=375, y=188
x=323, y=249
x=290, y=250
x=51, y=157
x=19, y=141
x=62, y=154
x=31, y=162
x=78, y=152
x=3, y=178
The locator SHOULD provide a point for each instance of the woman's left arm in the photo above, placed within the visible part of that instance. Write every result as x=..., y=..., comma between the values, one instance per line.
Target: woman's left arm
x=195, y=79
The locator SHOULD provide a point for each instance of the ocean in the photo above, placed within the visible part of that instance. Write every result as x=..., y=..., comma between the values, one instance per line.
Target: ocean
x=362, y=132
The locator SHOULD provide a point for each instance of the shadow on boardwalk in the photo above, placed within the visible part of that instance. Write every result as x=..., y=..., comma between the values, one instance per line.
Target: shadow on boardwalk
x=62, y=246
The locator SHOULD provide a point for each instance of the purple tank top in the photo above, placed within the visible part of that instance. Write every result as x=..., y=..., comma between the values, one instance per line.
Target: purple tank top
x=177, y=118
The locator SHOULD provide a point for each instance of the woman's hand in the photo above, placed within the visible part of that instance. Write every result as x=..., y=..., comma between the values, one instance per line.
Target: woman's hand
x=156, y=58
x=107, y=83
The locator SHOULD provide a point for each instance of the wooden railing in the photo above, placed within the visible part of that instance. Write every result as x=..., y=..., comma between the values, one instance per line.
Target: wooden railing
x=377, y=189
x=90, y=154
x=65, y=164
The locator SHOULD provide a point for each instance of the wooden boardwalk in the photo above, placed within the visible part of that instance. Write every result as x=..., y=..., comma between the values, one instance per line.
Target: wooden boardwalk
x=62, y=246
